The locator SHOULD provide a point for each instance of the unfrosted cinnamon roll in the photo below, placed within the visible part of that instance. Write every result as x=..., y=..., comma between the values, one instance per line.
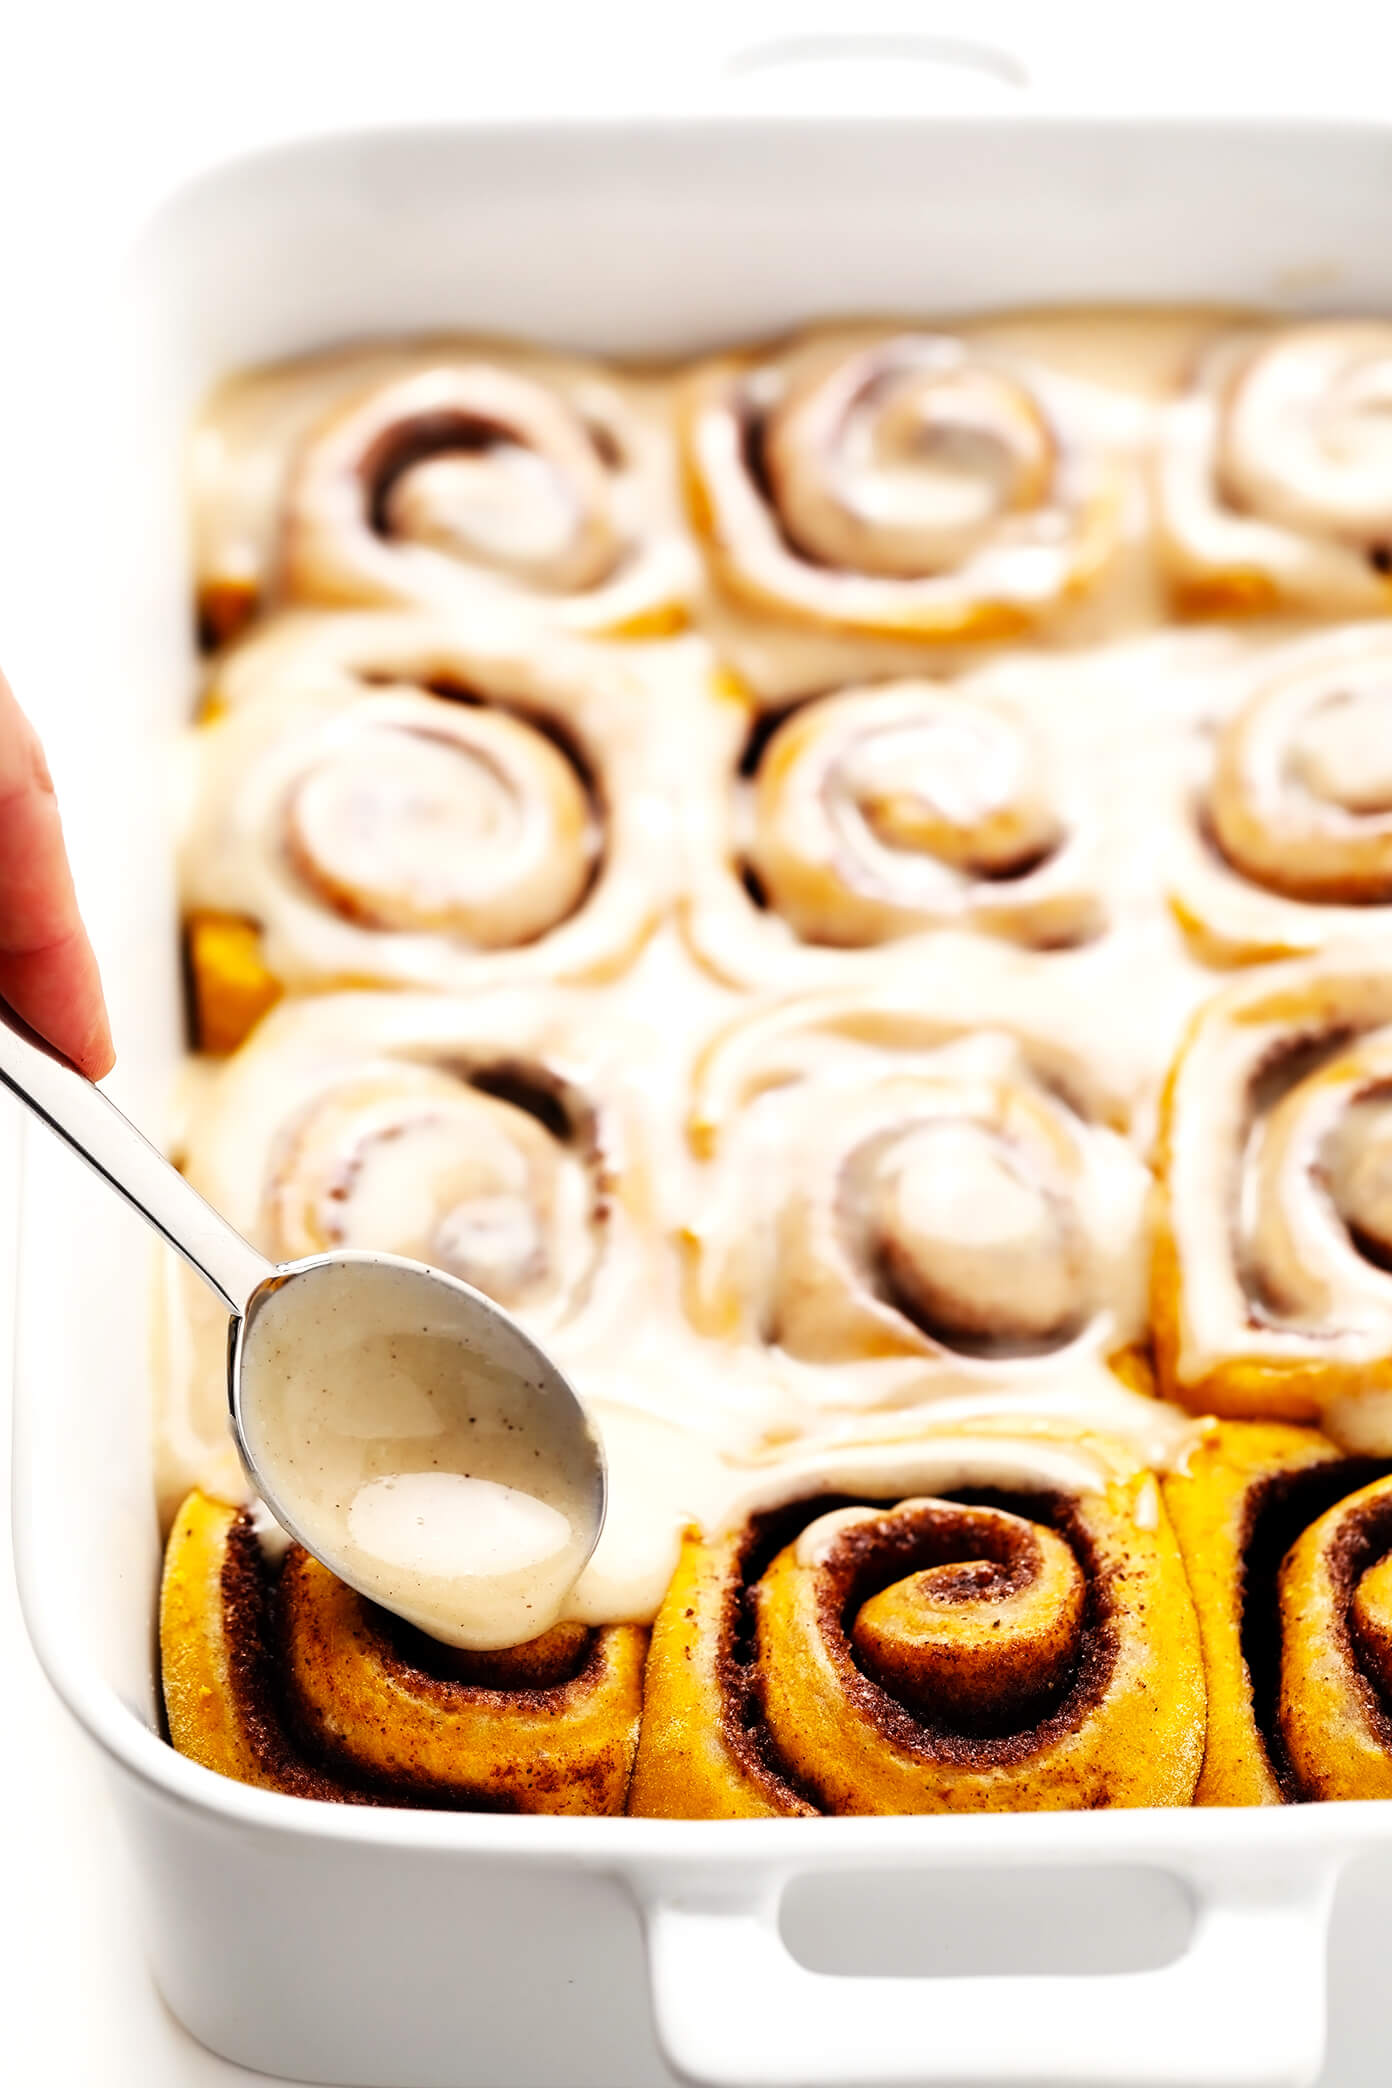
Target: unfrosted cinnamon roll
x=916, y=1201
x=985, y=1624
x=1272, y=1291
x=390, y=799
x=869, y=819
x=908, y=485
x=1287, y=840
x=277, y=1674
x=445, y=476
x=496, y=1136
x=1275, y=473
x=1288, y=1547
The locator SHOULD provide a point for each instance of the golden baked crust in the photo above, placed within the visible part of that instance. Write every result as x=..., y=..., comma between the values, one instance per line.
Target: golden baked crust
x=1286, y=1542
x=1015, y=1653
x=288, y=1680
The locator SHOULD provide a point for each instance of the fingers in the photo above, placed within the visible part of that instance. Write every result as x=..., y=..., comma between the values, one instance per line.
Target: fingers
x=48, y=973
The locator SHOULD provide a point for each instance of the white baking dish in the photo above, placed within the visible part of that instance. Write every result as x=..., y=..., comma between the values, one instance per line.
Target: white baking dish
x=407, y=1949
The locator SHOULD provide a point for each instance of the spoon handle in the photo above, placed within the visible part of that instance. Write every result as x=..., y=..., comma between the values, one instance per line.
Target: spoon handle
x=88, y=1121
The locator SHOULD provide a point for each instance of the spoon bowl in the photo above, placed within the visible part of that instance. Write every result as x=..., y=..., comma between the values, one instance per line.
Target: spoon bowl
x=405, y=1430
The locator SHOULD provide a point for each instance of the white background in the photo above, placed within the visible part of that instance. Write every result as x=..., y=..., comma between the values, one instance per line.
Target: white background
x=101, y=110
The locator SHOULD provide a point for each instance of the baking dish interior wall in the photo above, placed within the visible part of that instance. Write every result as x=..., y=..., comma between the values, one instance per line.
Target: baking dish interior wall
x=644, y=241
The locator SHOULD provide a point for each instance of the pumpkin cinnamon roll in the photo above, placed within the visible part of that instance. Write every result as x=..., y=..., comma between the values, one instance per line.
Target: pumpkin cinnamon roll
x=1272, y=1291
x=911, y=1200
x=498, y=1137
x=277, y=1674
x=902, y=485
x=970, y=1623
x=1287, y=840
x=1288, y=1545
x=870, y=819
x=381, y=799
x=1275, y=475
x=449, y=475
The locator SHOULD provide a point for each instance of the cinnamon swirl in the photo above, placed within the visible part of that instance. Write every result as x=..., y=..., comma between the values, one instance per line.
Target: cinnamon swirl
x=388, y=799
x=915, y=1200
x=446, y=476
x=1287, y=1545
x=911, y=485
x=869, y=820
x=277, y=1674
x=498, y=1137
x=984, y=1623
x=1285, y=843
x=1275, y=475
x=1272, y=1291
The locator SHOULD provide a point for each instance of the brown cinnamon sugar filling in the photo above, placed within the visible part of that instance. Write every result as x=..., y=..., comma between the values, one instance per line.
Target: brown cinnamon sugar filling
x=973, y=1559
x=249, y=1588
x=299, y=1755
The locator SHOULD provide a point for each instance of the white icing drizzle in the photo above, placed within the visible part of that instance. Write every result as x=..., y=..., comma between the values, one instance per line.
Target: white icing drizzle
x=704, y=1424
x=378, y=832
x=455, y=474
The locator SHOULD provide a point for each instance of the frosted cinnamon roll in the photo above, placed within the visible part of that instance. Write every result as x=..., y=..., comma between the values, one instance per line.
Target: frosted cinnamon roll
x=388, y=800
x=1287, y=840
x=1272, y=1291
x=277, y=1674
x=446, y=476
x=498, y=1137
x=875, y=817
x=1275, y=474
x=977, y=1623
x=915, y=1201
x=1288, y=1546
x=909, y=485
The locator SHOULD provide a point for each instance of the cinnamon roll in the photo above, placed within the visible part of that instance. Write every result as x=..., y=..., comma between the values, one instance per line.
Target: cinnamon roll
x=498, y=1137
x=870, y=819
x=277, y=1674
x=385, y=799
x=912, y=1200
x=1286, y=843
x=1288, y=1546
x=905, y=485
x=975, y=1623
x=1272, y=1291
x=445, y=476
x=1275, y=475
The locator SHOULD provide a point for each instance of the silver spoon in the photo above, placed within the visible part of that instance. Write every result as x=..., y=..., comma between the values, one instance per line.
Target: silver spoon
x=425, y=1349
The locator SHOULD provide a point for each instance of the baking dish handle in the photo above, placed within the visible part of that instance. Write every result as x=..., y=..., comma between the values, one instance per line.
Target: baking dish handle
x=1242, y=2007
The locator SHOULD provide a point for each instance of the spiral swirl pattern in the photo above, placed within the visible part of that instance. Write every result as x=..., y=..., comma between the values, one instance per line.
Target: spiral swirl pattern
x=412, y=1160
x=495, y=1137
x=283, y=1677
x=881, y=813
x=459, y=482
x=1273, y=1293
x=909, y=1208
x=911, y=485
x=931, y=1655
x=385, y=799
x=1288, y=1546
x=1289, y=844
x=1276, y=478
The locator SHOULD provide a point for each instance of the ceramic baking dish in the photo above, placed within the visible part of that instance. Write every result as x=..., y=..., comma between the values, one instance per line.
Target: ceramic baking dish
x=406, y=1949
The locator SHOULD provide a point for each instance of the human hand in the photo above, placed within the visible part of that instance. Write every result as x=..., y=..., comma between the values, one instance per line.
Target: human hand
x=48, y=973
